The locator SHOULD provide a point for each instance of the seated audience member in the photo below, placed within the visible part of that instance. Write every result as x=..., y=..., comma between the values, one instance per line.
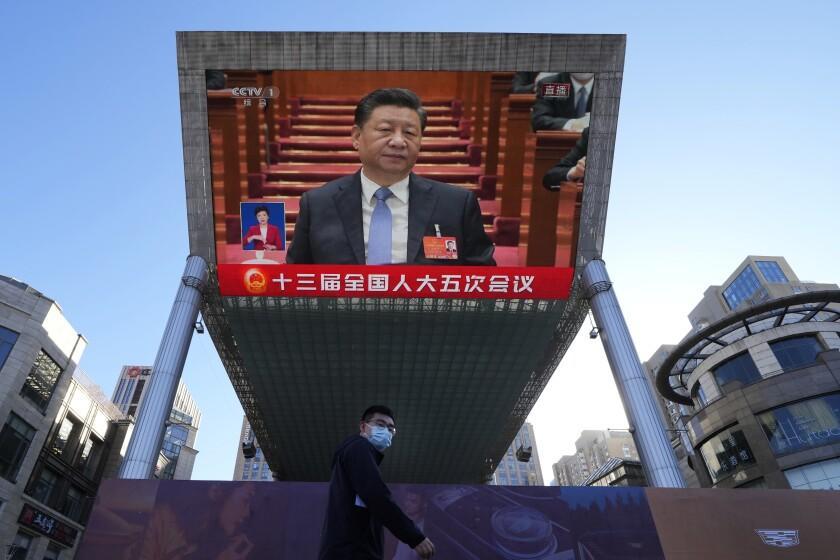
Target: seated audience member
x=571, y=168
x=563, y=113
x=524, y=82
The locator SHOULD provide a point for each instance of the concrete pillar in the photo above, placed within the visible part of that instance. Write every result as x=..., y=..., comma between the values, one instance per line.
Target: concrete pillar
x=149, y=429
x=648, y=428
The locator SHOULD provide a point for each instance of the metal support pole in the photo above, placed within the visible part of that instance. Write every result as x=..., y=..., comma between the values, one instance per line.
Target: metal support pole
x=655, y=451
x=149, y=428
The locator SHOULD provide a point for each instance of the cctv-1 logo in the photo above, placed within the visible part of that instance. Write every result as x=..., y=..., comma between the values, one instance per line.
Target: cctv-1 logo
x=269, y=91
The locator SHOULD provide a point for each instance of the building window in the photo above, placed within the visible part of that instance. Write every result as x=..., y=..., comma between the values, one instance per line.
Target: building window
x=772, y=272
x=14, y=443
x=698, y=394
x=138, y=391
x=41, y=382
x=744, y=286
x=175, y=438
x=19, y=549
x=824, y=475
x=53, y=552
x=90, y=456
x=44, y=488
x=66, y=438
x=802, y=425
x=7, y=341
x=725, y=453
x=796, y=352
x=740, y=368
x=73, y=503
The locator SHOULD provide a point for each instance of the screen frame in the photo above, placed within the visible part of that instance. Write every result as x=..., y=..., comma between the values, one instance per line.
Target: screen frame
x=199, y=51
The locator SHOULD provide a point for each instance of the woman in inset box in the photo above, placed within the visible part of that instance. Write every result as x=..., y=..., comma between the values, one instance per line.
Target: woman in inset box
x=264, y=236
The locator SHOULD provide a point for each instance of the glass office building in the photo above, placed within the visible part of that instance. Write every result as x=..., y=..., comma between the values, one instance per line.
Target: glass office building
x=178, y=452
x=753, y=391
x=512, y=470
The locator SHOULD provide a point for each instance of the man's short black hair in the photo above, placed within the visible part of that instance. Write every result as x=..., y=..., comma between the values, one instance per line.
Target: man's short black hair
x=259, y=209
x=381, y=409
x=399, y=97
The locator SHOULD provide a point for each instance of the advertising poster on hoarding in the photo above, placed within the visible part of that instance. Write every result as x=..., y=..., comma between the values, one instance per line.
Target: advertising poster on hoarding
x=408, y=184
x=248, y=520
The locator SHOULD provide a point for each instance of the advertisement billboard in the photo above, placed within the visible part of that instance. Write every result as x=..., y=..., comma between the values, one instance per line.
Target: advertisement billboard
x=408, y=184
x=149, y=519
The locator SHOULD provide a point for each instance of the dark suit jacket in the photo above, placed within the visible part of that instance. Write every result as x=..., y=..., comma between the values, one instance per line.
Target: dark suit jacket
x=272, y=237
x=553, y=113
x=523, y=82
x=329, y=228
x=557, y=174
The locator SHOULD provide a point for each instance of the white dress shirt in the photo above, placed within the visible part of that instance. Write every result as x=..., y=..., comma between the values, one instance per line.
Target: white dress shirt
x=398, y=204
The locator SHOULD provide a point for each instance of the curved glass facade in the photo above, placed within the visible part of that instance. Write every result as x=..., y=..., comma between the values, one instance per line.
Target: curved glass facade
x=803, y=425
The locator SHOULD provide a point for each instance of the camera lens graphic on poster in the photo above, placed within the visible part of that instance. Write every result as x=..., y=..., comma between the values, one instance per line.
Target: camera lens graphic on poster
x=408, y=184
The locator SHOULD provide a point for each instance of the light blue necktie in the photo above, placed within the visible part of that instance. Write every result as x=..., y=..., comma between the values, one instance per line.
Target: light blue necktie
x=379, y=238
x=583, y=97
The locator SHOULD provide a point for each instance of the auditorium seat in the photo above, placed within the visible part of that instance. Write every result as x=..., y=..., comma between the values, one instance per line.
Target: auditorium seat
x=313, y=147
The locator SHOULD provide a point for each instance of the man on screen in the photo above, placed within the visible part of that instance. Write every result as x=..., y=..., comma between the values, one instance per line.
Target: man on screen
x=385, y=214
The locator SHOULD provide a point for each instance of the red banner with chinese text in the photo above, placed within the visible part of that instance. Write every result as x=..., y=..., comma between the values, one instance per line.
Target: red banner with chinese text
x=453, y=282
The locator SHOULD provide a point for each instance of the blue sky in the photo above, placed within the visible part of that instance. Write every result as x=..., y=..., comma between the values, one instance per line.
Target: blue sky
x=727, y=143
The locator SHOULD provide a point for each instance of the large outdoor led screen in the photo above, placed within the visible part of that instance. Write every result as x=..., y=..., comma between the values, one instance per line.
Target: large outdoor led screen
x=472, y=192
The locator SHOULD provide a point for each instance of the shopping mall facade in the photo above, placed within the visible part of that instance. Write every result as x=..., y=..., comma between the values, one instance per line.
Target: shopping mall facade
x=756, y=385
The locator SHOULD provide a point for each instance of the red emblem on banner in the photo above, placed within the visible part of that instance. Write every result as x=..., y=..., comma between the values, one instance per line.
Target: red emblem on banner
x=255, y=281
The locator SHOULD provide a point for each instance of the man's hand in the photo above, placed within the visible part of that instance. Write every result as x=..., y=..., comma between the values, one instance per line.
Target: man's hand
x=270, y=247
x=425, y=549
x=577, y=172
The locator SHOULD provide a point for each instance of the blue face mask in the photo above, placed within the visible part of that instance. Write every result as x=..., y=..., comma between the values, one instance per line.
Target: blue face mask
x=380, y=437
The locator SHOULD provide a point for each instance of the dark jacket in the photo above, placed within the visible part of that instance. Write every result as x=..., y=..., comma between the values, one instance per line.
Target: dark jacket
x=557, y=174
x=353, y=532
x=329, y=227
